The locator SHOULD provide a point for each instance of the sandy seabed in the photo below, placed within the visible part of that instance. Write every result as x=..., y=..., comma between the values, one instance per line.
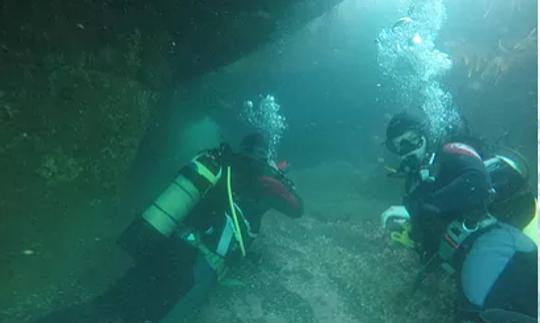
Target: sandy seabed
x=334, y=264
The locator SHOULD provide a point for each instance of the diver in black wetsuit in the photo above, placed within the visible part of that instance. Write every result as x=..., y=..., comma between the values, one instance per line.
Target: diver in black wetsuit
x=182, y=243
x=448, y=192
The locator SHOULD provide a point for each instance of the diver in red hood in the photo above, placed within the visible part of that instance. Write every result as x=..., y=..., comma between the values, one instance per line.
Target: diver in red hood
x=185, y=240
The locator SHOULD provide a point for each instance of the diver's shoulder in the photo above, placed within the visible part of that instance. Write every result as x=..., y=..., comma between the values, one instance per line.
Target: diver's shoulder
x=456, y=148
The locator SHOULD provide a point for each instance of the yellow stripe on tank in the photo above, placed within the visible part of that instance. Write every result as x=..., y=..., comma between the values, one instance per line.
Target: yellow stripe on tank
x=206, y=173
x=531, y=230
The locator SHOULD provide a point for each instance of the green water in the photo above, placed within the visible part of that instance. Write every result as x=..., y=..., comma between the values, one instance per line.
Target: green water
x=91, y=130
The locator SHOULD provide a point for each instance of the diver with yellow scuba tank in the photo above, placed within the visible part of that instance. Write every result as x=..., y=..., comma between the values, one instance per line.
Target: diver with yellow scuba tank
x=184, y=241
x=455, y=213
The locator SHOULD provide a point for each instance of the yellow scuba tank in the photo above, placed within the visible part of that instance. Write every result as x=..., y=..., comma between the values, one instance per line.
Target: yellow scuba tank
x=513, y=201
x=180, y=197
x=531, y=230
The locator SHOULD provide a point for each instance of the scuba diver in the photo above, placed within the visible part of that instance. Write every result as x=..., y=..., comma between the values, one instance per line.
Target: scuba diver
x=449, y=216
x=184, y=241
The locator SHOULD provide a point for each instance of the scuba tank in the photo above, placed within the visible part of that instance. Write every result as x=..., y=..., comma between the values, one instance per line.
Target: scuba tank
x=512, y=200
x=148, y=233
x=181, y=196
x=507, y=177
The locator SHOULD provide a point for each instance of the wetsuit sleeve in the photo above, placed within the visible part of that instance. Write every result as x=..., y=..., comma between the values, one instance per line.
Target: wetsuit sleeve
x=467, y=191
x=281, y=195
x=462, y=181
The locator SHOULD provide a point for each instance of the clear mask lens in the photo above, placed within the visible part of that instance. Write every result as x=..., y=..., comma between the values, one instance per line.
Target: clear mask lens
x=407, y=143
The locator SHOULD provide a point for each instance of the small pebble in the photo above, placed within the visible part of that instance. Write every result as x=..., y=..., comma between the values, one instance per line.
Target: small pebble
x=28, y=252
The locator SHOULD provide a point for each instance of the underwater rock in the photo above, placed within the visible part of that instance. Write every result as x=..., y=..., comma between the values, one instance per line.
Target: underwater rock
x=58, y=168
x=159, y=42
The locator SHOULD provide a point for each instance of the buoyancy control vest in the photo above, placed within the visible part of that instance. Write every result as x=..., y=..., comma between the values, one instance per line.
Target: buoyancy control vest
x=507, y=180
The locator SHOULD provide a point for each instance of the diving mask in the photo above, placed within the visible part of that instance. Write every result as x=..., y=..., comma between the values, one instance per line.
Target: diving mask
x=406, y=143
x=412, y=149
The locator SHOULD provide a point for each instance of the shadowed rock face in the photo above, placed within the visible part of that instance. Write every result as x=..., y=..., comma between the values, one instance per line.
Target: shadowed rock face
x=155, y=42
x=72, y=69
x=80, y=82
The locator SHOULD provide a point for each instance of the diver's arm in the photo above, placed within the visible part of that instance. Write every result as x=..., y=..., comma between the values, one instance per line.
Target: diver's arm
x=470, y=186
x=465, y=192
x=280, y=194
x=216, y=262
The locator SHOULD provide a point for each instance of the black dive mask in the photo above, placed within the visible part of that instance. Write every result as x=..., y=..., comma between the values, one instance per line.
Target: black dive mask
x=405, y=144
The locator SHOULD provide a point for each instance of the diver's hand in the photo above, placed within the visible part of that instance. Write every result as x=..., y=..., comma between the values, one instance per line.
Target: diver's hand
x=216, y=262
x=396, y=220
x=395, y=214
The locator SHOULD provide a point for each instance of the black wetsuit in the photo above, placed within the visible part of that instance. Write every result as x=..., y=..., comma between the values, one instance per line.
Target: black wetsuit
x=167, y=272
x=497, y=265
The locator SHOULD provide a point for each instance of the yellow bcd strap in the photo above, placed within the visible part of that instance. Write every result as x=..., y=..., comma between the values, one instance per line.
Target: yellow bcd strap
x=237, y=231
